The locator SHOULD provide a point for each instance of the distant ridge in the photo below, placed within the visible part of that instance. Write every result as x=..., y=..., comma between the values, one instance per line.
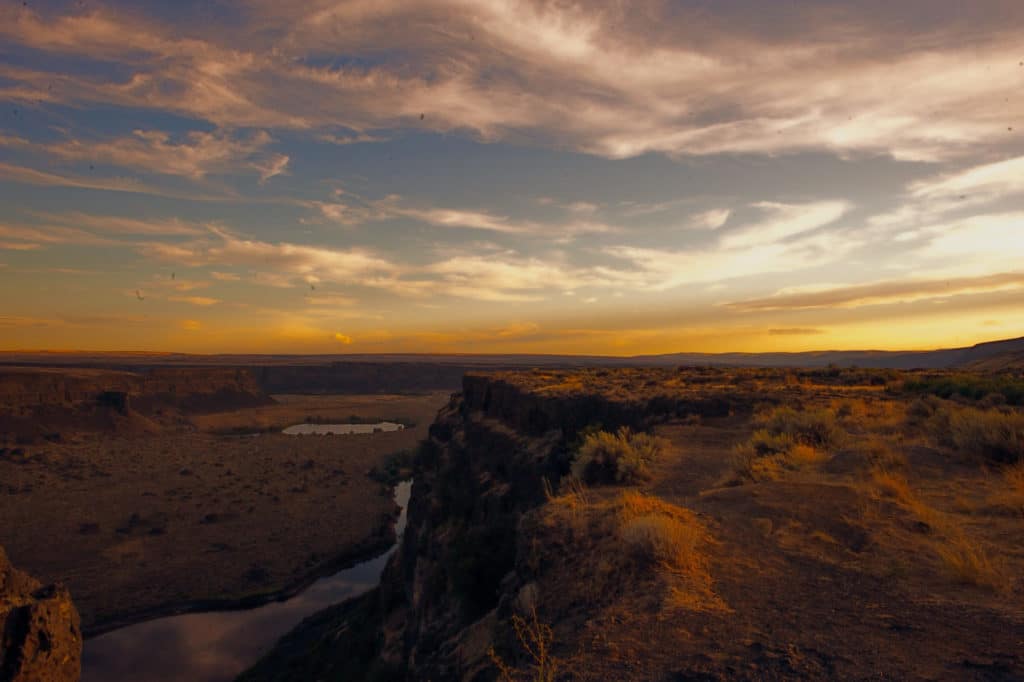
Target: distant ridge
x=992, y=355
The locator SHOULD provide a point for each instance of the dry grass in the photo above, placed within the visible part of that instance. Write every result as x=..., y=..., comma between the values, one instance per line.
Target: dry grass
x=993, y=434
x=1011, y=492
x=668, y=542
x=880, y=453
x=788, y=440
x=969, y=563
x=535, y=638
x=673, y=539
x=965, y=559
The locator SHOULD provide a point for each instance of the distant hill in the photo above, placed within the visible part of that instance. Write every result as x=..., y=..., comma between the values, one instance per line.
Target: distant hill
x=934, y=359
x=994, y=355
x=1013, y=360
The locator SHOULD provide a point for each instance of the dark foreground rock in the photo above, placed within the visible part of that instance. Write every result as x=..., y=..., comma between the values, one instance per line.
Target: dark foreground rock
x=40, y=636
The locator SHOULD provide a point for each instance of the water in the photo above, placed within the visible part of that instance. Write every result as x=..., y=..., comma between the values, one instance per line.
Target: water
x=218, y=645
x=303, y=429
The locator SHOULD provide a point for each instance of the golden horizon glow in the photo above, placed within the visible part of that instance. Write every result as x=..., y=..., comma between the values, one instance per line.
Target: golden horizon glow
x=540, y=177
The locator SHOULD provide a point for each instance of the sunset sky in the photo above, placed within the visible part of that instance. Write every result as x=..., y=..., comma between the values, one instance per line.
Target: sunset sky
x=502, y=176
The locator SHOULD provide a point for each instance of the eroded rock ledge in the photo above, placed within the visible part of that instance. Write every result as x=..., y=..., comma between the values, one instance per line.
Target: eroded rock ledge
x=40, y=636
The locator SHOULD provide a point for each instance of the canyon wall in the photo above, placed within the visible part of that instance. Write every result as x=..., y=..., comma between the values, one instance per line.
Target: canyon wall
x=494, y=453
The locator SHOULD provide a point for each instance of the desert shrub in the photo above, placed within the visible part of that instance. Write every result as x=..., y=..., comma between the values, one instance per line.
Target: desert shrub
x=976, y=387
x=998, y=436
x=620, y=457
x=765, y=442
x=789, y=440
x=817, y=428
x=535, y=638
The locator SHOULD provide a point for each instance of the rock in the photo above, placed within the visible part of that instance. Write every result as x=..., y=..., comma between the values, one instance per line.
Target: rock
x=40, y=633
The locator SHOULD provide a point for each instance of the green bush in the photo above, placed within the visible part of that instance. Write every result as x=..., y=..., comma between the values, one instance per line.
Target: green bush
x=620, y=457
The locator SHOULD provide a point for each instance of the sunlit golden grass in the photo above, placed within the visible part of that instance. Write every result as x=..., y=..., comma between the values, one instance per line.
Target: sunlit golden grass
x=674, y=539
x=632, y=530
x=966, y=560
x=790, y=441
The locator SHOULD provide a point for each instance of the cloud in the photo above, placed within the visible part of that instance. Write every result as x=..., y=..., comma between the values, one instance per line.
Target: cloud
x=195, y=300
x=787, y=240
x=31, y=176
x=19, y=246
x=121, y=225
x=881, y=293
x=509, y=278
x=784, y=221
x=978, y=183
x=283, y=262
x=710, y=220
x=360, y=138
x=191, y=325
x=343, y=339
x=193, y=155
x=794, y=331
x=594, y=77
x=356, y=210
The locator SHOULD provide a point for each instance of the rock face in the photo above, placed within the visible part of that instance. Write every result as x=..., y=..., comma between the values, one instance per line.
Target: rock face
x=40, y=638
x=492, y=454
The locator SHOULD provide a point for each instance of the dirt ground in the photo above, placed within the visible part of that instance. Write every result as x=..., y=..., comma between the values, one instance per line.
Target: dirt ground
x=143, y=524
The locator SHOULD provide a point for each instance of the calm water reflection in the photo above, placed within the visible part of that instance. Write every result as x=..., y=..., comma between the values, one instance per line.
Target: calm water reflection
x=301, y=429
x=216, y=646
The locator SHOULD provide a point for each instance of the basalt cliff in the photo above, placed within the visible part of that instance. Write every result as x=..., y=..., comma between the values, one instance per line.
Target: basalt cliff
x=725, y=560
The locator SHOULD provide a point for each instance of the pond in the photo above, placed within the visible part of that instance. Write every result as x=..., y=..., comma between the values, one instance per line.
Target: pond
x=321, y=429
x=218, y=645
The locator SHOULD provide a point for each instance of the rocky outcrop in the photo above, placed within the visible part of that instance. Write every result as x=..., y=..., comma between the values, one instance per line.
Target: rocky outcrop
x=40, y=637
x=493, y=455
x=42, y=403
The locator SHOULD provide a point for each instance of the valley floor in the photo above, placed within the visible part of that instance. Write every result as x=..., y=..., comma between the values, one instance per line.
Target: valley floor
x=203, y=511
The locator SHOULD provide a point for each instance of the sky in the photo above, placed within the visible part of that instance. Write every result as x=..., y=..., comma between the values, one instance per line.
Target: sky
x=499, y=176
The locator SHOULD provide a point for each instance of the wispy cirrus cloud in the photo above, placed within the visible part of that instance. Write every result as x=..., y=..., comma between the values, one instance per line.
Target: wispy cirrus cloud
x=627, y=83
x=882, y=293
x=348, y=209
x=783, y=221
x=194, y=155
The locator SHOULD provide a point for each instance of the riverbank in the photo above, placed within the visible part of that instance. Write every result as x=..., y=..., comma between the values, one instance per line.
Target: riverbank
x=143, y=525
x=215, y=646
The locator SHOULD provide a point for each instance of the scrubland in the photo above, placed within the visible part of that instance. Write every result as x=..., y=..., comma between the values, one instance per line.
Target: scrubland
x=832, y=523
